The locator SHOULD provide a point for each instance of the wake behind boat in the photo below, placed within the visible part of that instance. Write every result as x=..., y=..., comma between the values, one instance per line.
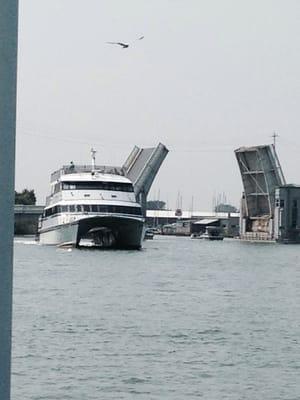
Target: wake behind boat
x=91, y=206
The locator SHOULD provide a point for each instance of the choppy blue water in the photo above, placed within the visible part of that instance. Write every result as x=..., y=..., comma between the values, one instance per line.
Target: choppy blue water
x=181, y=319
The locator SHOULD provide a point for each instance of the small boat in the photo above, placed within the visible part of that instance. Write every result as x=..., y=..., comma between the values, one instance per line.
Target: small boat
x=211, y=233
x=149, y=234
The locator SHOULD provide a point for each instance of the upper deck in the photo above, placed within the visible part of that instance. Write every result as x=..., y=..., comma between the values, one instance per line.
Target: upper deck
x=80, y=169
x=78, y=182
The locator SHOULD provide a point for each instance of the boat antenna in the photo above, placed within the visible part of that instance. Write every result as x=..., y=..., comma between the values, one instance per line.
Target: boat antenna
x=93, y=154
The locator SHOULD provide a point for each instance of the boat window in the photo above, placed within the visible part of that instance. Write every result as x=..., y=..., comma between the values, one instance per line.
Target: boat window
x=94, y=185
x=57, y=187
x=120, y=209
x=68, y=186
x=94, y=208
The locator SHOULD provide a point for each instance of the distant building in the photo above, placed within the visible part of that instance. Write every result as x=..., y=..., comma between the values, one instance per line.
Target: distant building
x=27, y=218
x=190, y=222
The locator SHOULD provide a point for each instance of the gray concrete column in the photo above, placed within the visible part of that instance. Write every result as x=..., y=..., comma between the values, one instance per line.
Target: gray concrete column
x=8, y=73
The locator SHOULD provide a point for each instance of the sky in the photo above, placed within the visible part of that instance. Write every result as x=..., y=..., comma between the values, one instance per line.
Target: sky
x=209, y=76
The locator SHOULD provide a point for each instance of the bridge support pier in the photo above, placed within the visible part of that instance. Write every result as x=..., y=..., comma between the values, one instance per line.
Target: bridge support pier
x=8, y=77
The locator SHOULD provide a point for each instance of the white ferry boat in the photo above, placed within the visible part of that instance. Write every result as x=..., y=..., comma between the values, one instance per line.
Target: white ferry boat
x=93, y=206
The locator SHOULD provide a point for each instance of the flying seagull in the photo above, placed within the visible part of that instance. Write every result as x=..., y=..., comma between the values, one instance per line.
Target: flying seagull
x=123, y=45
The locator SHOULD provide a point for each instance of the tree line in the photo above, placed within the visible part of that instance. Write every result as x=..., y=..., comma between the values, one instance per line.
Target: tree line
x=26, y=197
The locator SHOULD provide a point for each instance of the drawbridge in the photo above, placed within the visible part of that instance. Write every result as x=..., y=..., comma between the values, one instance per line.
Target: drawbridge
x=261, y=174
x=141, y=167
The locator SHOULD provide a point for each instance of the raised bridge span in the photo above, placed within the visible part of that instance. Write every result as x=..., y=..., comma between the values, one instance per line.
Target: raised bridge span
x=261, y=174
x=141, y=167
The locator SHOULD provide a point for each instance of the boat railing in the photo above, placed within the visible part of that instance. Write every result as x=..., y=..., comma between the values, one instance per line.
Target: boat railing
x=75, y=169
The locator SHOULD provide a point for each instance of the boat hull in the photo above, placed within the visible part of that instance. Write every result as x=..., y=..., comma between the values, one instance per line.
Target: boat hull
x=59, y=235
x=101, y=232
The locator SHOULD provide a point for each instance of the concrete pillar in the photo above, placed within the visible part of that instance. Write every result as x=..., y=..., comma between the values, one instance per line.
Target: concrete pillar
x=8, y=73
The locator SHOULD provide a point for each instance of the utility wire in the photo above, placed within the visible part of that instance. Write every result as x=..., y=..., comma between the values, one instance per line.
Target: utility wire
x=177, y=149
x=202, y=148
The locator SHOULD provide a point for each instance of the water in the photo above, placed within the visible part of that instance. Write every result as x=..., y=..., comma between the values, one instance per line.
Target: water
x=182, y=319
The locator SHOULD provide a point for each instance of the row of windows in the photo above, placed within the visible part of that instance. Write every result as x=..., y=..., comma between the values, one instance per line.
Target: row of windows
x=94, y=185
x=93, y=208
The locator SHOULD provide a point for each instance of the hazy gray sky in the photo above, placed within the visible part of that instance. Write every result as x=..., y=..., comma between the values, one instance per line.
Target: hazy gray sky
x=209, y=76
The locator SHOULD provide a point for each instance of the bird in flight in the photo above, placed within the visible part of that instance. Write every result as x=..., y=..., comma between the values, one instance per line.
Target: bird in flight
x=124, y=45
